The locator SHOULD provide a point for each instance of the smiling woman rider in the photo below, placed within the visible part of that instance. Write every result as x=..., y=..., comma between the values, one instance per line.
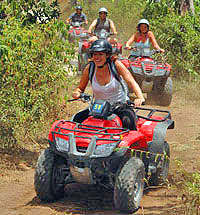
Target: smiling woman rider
x=143, y=38
x=106, y=84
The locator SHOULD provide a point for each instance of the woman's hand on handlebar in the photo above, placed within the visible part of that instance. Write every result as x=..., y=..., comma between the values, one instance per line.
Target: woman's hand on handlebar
x=128, y=47
x=162, y=50
x=77, y=93
x=139, y=102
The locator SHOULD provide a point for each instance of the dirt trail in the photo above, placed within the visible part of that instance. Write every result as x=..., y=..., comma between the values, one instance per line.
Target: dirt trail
x=17, y=195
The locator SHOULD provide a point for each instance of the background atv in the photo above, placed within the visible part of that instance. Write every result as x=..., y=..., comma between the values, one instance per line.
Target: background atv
x=153, y=77
x=84, y=46
x=77, y=31
x=116, y=46
x=101, y=151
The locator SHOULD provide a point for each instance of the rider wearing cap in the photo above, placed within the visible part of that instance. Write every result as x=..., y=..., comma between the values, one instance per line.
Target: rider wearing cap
x=78, y=16
x=143, y=37
x=102, y=23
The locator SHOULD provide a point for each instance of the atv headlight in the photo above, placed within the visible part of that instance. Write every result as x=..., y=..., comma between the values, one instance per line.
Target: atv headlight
x=62, y=144
x=105, y=149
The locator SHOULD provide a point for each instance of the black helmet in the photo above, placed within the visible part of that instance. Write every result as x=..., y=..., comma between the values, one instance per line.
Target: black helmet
x=101, y=46
x=79, y=8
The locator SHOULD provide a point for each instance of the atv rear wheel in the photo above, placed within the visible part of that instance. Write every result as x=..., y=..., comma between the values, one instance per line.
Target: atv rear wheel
x=70, y=38
x=129, y=186
x=162, y=170
x=50, y=174
x=79, y=62
x=165, y=97
x=82, y=61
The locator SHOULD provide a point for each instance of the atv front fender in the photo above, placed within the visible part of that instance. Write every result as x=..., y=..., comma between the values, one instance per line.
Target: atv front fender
x=134, y=139
x=156, y=146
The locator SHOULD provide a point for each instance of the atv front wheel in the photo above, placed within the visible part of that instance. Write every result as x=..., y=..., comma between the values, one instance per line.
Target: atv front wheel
x=165, y=97
x=129, y=186
x=162, y=167
x=70, y=38
x=84, y=61
x=50, y=174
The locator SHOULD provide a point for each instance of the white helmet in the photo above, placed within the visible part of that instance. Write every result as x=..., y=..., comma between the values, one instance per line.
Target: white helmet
x=143, y=21
x=103, y=9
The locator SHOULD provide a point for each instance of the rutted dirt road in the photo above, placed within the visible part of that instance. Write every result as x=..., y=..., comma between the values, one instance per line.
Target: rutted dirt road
x=17, y=195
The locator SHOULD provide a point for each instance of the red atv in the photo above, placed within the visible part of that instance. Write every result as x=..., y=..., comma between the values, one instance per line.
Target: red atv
x=85, y=45
x=76, y=32
x=153, y=77
x=99, y=150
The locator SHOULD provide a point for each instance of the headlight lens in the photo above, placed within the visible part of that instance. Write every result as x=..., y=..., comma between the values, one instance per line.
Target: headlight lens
x=62, y=144
x=105, y=149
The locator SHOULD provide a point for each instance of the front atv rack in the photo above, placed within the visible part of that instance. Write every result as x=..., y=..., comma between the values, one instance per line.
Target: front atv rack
x=80, y=130
x=83, y=139
x=149, y=68
x=151, y=114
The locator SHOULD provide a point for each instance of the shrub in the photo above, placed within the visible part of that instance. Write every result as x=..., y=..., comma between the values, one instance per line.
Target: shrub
x=178, y=35
x=32, y=76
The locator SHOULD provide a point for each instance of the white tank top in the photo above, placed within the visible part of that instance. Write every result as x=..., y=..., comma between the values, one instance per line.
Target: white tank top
x=111, y=92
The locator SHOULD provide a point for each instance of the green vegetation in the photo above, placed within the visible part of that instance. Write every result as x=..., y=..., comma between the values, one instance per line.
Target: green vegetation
x=179, y=35
x=32, y=77
x=33, y=82
x=188, y=183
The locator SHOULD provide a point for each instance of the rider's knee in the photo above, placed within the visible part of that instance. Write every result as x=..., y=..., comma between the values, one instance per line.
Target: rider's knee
x=92, y=39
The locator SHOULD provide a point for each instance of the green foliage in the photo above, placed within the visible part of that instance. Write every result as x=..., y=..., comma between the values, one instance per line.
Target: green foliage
x=32, y=75
x=178, y=35
x=193, y=186
x=31, y=11
x=188, y=184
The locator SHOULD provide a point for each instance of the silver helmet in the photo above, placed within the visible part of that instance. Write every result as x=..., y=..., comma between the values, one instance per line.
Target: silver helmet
x=103, y=9
x=143, y=21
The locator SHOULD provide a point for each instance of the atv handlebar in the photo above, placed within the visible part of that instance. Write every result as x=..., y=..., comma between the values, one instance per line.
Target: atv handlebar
x=103, y=35
x=134, y=48
x=148, y=116
x=77, y=24
x=83, y=97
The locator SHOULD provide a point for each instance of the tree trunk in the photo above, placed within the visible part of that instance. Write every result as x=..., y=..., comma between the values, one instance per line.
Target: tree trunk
x=187, y=5
x=90, y=2
x=73, y=3
x=192, y=6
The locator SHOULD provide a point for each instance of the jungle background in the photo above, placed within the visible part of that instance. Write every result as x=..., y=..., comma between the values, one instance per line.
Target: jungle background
x=34, y=86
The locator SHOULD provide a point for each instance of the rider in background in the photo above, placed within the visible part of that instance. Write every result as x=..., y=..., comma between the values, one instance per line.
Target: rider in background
x=102, y=23
x=143, y=37
x=77, y=16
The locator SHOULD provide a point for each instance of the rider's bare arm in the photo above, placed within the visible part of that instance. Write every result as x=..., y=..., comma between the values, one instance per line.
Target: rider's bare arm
x=125, y=73
x=83, y=83
x=130, y=41
x=68, y=20
x=92, y=26
x=86, y=22
x=113, y=29
x=154, y=42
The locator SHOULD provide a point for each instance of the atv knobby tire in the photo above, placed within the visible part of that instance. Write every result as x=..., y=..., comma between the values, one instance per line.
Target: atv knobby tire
x=50, y=174
x=160, y=176
x=165, y=97
x=129, y=186
x=84, y=61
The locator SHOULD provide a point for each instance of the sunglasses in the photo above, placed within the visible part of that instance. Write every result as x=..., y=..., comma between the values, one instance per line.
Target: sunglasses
x=99, y=53
x=103, y=13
